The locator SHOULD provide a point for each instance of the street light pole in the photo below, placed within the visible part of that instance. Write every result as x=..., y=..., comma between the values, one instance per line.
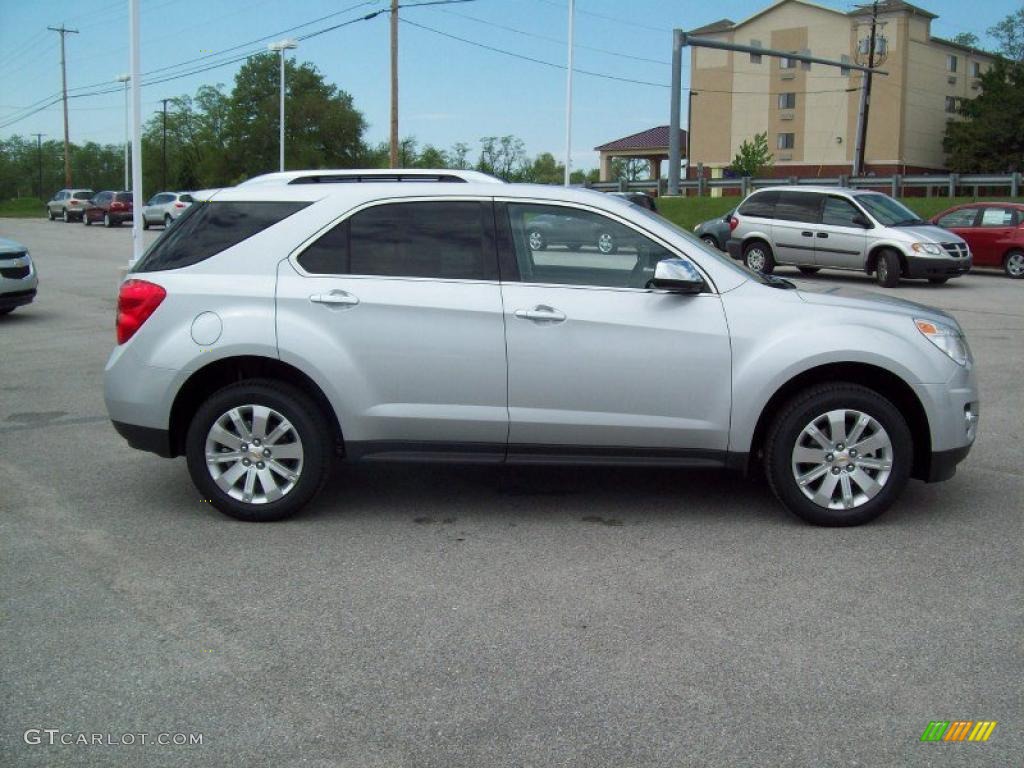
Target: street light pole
x=281, y=46
x=126, y=79
x=568, y=98
x=136, y=102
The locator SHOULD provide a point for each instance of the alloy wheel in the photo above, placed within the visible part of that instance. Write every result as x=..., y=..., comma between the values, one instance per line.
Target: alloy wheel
x=536, y=241
x=254, y=454
x=842, y=459
x=605, y=243
x=1015, y=264
x=756, y=259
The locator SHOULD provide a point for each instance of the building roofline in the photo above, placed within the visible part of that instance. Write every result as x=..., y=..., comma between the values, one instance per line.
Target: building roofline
x=888, y=6
x=962, y=47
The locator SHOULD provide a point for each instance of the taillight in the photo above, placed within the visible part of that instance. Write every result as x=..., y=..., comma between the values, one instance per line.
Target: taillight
x=733, y=223
x=137, y=300
x=72, y=202
x=115, y=206
x=179, y=205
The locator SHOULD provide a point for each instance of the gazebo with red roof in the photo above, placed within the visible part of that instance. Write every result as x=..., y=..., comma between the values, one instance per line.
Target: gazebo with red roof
x=650, y=145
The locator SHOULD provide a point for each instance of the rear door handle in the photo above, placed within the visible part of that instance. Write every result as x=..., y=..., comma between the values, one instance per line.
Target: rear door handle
x=342, y=298
x=540, y=313
x=823, y=234
x=807, y=234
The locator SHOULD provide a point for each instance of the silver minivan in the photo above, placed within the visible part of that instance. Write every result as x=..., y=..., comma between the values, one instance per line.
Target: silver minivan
x=278, y=328
x=833, y=228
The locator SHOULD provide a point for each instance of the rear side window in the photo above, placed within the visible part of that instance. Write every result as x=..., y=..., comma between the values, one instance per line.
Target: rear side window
x=444, y=240
x=123, y=197
x=760, y=204
x=185, y=198
x=798, y=206
x=209, y=228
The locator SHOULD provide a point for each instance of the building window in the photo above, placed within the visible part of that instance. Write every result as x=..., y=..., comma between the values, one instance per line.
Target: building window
x=864, y=45
x=951, y=63
x=844, y=71
x=787, y=63
x=786, y=140
x=951, y=104
x=755, y=58
x=787, y=101
x=976, y=68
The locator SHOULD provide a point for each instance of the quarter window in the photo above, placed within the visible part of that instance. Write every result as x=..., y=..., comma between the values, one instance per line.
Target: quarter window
x=569, y=246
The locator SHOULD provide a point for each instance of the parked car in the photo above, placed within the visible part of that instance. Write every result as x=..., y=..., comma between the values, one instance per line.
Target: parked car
x=110, y=207
x=638, y=198
x=277, y=326
x=570, y=231
x=164, y=207
x=68, y=204
x=994, y=231
x=18, y=279
x=372, y=175
x=828, y=227
x=715, y=232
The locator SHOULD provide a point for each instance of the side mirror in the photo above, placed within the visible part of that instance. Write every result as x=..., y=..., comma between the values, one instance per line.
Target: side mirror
x=862, y=221
x=676, y=276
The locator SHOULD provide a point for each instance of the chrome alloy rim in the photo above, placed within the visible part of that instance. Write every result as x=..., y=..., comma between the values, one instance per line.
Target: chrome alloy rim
x=883, y=270
x=1015, y=264
x=254, y=454
x=755, y=259
x=842, y=459
x=536, y=241
x=605, y=243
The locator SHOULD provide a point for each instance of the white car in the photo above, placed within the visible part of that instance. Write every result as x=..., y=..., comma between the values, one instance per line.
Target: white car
x=165, y=207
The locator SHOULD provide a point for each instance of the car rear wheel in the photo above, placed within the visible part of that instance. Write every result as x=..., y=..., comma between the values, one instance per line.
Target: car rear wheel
x=537, y=240
x=66, y=217
x=258, y=450
x=838, y=454
x=168, y=220
x=758, y=257
x=710, y=242
x=1013, y=264
x=887, y=270
x=606, y=243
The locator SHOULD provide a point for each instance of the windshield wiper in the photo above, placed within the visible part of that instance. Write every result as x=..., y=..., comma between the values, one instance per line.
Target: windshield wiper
x=907, y=222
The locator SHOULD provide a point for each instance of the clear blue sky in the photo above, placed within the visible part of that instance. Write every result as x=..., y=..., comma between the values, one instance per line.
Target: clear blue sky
x=450, y=91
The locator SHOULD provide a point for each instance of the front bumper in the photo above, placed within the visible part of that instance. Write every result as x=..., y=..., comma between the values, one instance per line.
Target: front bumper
x=937, y=266
x=953, y=411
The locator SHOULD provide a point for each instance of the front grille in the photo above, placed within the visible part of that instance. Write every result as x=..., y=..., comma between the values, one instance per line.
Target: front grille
x=14, y=273
x=956, y=250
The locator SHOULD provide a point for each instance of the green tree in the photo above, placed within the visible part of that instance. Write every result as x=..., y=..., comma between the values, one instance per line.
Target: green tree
x=753, y=158
x=966, y=38
x=1010, y=34
x=544, y=169
x=991, y=138
x=458, y=157
x=502, y=156
x=628, y=168
x=585, y=177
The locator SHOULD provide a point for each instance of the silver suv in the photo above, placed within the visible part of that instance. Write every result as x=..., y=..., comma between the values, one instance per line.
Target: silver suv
x=277, y=327
x=815, y=227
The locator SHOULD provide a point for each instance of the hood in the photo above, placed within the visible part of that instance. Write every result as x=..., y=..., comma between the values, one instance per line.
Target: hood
x=926, y=233
x=854, y=298
x=11, y=246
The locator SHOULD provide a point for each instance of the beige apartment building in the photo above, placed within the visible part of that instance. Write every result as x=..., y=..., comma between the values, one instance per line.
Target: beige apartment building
x=810, y=110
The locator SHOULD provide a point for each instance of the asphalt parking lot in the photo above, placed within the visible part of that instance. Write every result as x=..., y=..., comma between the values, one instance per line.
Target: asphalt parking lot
x=476, y=617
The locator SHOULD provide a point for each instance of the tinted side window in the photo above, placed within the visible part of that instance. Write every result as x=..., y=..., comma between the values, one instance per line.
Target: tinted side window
x=761, y=204
x=329, y=254
x=446, y=240
x=207, y=229
x=840, y=213
x=798, y=206
x=186, y=198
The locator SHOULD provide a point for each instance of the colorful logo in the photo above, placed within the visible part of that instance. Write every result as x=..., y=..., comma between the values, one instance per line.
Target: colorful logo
x=958, y=730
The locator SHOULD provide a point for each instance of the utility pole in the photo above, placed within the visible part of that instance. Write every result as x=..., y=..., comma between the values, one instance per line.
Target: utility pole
x=394, y=83
x=64, y=87
x=674, y=150
x=163, y=162
x=865, y=98
x=39, y=147
x=568, y=98
x=135, y=75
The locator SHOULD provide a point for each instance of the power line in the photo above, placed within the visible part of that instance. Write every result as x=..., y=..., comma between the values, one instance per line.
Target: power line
x=616, y=19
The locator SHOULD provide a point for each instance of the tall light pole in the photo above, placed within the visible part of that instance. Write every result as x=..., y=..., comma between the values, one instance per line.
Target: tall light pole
x=281, y=46
x=568, y=98
x=136, y=101
x=126, y=79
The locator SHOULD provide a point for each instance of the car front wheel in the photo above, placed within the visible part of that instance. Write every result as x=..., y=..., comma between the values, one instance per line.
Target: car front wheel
x=710, y=242
x=1013, y=264
x=838, y=454
x=257, y=450
x=49, y=214
x=887, y=270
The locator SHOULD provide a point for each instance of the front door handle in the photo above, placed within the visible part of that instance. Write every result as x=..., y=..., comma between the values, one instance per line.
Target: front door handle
x=343, y=298
x=540, y=313
x=807, y=234
x=823, y=234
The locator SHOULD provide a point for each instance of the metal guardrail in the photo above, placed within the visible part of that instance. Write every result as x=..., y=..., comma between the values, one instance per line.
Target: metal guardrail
x=895, y=184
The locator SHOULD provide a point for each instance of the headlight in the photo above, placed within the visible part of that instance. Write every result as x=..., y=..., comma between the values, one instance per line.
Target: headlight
x=929, y=248
x=948, y=339
x=696, y=228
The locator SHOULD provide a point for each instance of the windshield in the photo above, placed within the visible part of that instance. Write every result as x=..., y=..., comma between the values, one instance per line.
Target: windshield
x=707, y=250
x=888, y=212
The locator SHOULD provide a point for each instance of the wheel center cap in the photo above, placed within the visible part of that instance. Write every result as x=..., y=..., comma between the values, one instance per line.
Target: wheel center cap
x=842, y=458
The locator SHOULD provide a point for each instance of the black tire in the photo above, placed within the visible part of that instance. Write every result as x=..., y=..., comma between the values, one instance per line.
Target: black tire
x=809, y=270
x=938, y=280
x=145, y=223
x=710, y=241
x=606, y=243
x=760, y=253
x=168, y=221
x=887, y=269
x=306, y=418
x=804, y=408
x=6, y=311
x=1013, y=264
x=49, y=214
x=86, y=220
x=536, y=241
x=66, y=216
x=107, y=221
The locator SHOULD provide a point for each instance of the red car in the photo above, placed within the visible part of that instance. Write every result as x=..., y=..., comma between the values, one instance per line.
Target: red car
x=995, y=232
x=109, y=207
